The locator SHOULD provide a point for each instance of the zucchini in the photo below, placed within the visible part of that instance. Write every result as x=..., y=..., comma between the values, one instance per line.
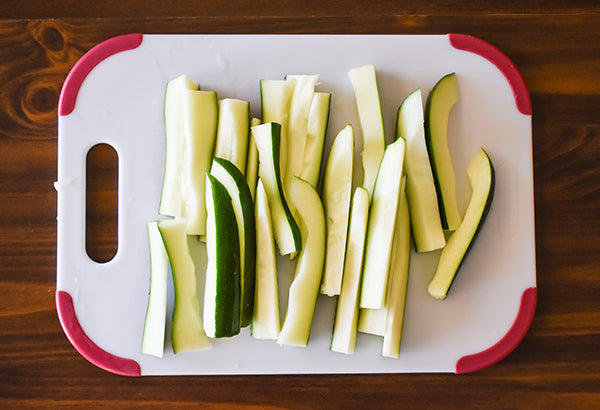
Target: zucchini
x=243, y=206
x=437, y=110
x=372, y=321
x=233, y=131
x=420, y=187
x=265, y=319
x=337, y=189
x=153, y=339
x=304, y=289
x=287, y=234
x=200, y=110
x=275, y=101
x=364, y=82
x=398, y=286
x=382, y=218
x=346, y=315
x=187, y=332
x=222, y=288
x=170, y=200
x=375, y=321
x=252, y=161
x=318, y=118
x=482, y=180
x=304, y=88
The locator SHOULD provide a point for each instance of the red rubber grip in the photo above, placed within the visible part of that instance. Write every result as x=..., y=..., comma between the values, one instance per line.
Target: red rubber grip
x=501, y=61
x=508, y=343
x=81, y=69
x=85, y=346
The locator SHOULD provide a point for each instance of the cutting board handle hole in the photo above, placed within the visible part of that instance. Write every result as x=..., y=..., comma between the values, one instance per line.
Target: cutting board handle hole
x=102, y=198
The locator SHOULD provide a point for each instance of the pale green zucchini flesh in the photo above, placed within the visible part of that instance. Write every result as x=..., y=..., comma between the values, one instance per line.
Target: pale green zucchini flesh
x=337, y=189
x=153, y=339
x=318, y=119
x=364, y=82
x=170, y=200
x=398, y=286
x=187, y=333
x=200, y=110
x=382, y=217
x=233, y=132
x=420, y=186
x=265, y=319
x=346, y=316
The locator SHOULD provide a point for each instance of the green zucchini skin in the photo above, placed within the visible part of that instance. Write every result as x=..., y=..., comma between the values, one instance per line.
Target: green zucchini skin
x=447, y=270
x=276, y=135
x=248, y=265
x=484, y=214
x=434, y=169
x=450, y=199
x=286, y=230
x=227, y=295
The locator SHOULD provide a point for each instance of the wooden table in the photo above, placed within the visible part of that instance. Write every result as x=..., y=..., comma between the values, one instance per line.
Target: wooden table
x=554, y=44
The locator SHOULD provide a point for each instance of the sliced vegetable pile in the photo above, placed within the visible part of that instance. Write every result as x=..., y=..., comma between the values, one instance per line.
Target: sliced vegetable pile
x=247, y=188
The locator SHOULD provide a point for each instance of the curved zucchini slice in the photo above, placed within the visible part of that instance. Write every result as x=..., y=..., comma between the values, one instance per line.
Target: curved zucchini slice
x=222, y=288
x=337, y=190
x=243, y=206
x=420, y=186
x=305, y=286
x=482, y=180
x=187, y=332
x=233, y=131
x=287, y=234
x=380, y=231
x=364, y=82
x=265, y=320
x=437, y=110
x=153, y=339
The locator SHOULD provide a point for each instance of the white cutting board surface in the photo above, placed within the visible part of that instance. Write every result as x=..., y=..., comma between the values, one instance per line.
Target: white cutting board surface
x=120, y=102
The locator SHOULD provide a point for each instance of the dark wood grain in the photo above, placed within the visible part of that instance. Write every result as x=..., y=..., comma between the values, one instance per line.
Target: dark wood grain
x=555, y=45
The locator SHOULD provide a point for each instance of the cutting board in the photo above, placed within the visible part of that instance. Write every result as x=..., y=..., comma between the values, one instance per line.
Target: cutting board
x=115, y=95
